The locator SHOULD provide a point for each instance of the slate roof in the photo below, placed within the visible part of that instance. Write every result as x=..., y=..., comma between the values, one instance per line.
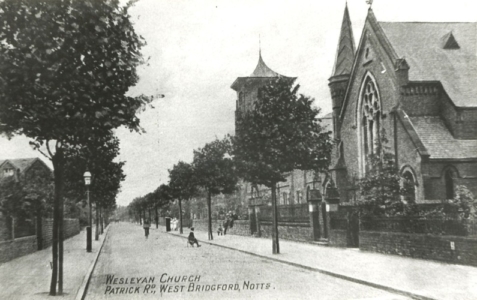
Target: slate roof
x=327, y=122
x=439, y=141
x=21, y=163
x=422, y=45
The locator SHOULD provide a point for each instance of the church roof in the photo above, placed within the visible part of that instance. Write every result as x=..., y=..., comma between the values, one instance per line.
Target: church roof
x=439, y=142
x=346, y=49
x=445, y=52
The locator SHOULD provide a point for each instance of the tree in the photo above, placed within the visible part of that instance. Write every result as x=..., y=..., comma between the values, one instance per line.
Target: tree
x=65, y=67
x=162, y=198
x=215, y=172
x=183, y=185
x=382, y=187
x=98, y=157
x=280, y=134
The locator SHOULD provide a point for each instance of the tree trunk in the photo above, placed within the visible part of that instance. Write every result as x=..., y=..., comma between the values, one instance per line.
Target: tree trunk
x=180, y=216
x=275, y=244
x=39, y=228
x=96, y=235
x=61, y=235
x=56, y=247
x=101, y=219
x=157, y=218
x=209, y=208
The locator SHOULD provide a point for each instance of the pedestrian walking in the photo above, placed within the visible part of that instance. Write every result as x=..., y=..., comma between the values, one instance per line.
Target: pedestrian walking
x=191, y=239
x=226, y=225
x=220, y=231
x=146, y=226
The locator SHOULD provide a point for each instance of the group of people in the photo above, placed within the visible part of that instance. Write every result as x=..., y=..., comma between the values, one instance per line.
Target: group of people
x=191, y=239
x=227, y=223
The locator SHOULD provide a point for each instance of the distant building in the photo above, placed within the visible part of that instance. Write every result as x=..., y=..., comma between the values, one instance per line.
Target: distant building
x=22, y=167
x=417, y=81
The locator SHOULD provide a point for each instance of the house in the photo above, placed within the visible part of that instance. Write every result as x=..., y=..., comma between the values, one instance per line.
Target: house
x=20, y=169
x=415, y=85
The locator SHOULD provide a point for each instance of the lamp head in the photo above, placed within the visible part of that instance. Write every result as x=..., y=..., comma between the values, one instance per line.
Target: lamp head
x=87, y=178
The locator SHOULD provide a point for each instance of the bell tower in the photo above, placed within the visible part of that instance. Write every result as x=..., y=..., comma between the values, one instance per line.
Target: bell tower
x=342, y=70
x=247, y=87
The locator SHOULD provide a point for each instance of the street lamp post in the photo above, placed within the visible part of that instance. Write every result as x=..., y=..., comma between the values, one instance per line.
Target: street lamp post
x=87, y=182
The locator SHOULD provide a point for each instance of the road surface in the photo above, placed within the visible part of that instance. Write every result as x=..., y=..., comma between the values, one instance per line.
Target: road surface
x=163, y=267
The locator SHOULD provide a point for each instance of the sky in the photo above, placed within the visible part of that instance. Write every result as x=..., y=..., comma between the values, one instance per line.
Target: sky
x=198, y=48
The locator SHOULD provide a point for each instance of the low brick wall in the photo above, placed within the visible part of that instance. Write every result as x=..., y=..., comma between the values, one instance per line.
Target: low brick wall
x=203, y=225
x=421, y=246
x=288, y=231
x=5, y=230
x=18, y=247
x=241, y=227
x=71, y=228
x=22, y=246
x=338, y=238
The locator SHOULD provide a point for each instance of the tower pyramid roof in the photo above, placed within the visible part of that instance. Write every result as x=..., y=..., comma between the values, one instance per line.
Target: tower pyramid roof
x=262, y=70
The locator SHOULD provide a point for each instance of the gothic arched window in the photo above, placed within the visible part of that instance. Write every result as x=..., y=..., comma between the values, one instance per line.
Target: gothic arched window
x=369, y=116
x=409, y=185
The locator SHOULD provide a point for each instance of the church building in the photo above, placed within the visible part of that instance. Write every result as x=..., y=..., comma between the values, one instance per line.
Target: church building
x=414, y=84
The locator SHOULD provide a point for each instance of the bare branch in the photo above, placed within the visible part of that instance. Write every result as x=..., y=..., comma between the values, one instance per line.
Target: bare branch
x=48, y=148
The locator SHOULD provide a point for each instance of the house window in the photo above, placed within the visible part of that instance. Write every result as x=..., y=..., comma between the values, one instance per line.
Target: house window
x=298, y=197
x=8, y=172
x=449, y=182
x=241, y=100
x=369, y=116
x=285, y=198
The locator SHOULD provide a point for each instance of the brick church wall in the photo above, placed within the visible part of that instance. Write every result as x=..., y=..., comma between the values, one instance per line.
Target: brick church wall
x=421, y=105
x=421, y=246
x=435, y=189
x=386, y=84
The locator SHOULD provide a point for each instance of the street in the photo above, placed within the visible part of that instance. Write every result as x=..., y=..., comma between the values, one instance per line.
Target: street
x=131, y=267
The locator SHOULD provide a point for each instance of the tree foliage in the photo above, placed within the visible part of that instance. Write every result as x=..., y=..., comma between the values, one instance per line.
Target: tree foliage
x=281, y=133
x=383, y=191
x=215, y=172
x=26, y=194
x=65, y=68
x=182, y=181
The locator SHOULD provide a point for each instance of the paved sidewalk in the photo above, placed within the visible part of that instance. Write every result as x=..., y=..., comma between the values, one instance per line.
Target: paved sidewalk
x=28, y=277
x=414, y=277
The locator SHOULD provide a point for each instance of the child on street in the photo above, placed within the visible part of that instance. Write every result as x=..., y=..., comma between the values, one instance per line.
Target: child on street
x=192, y=239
